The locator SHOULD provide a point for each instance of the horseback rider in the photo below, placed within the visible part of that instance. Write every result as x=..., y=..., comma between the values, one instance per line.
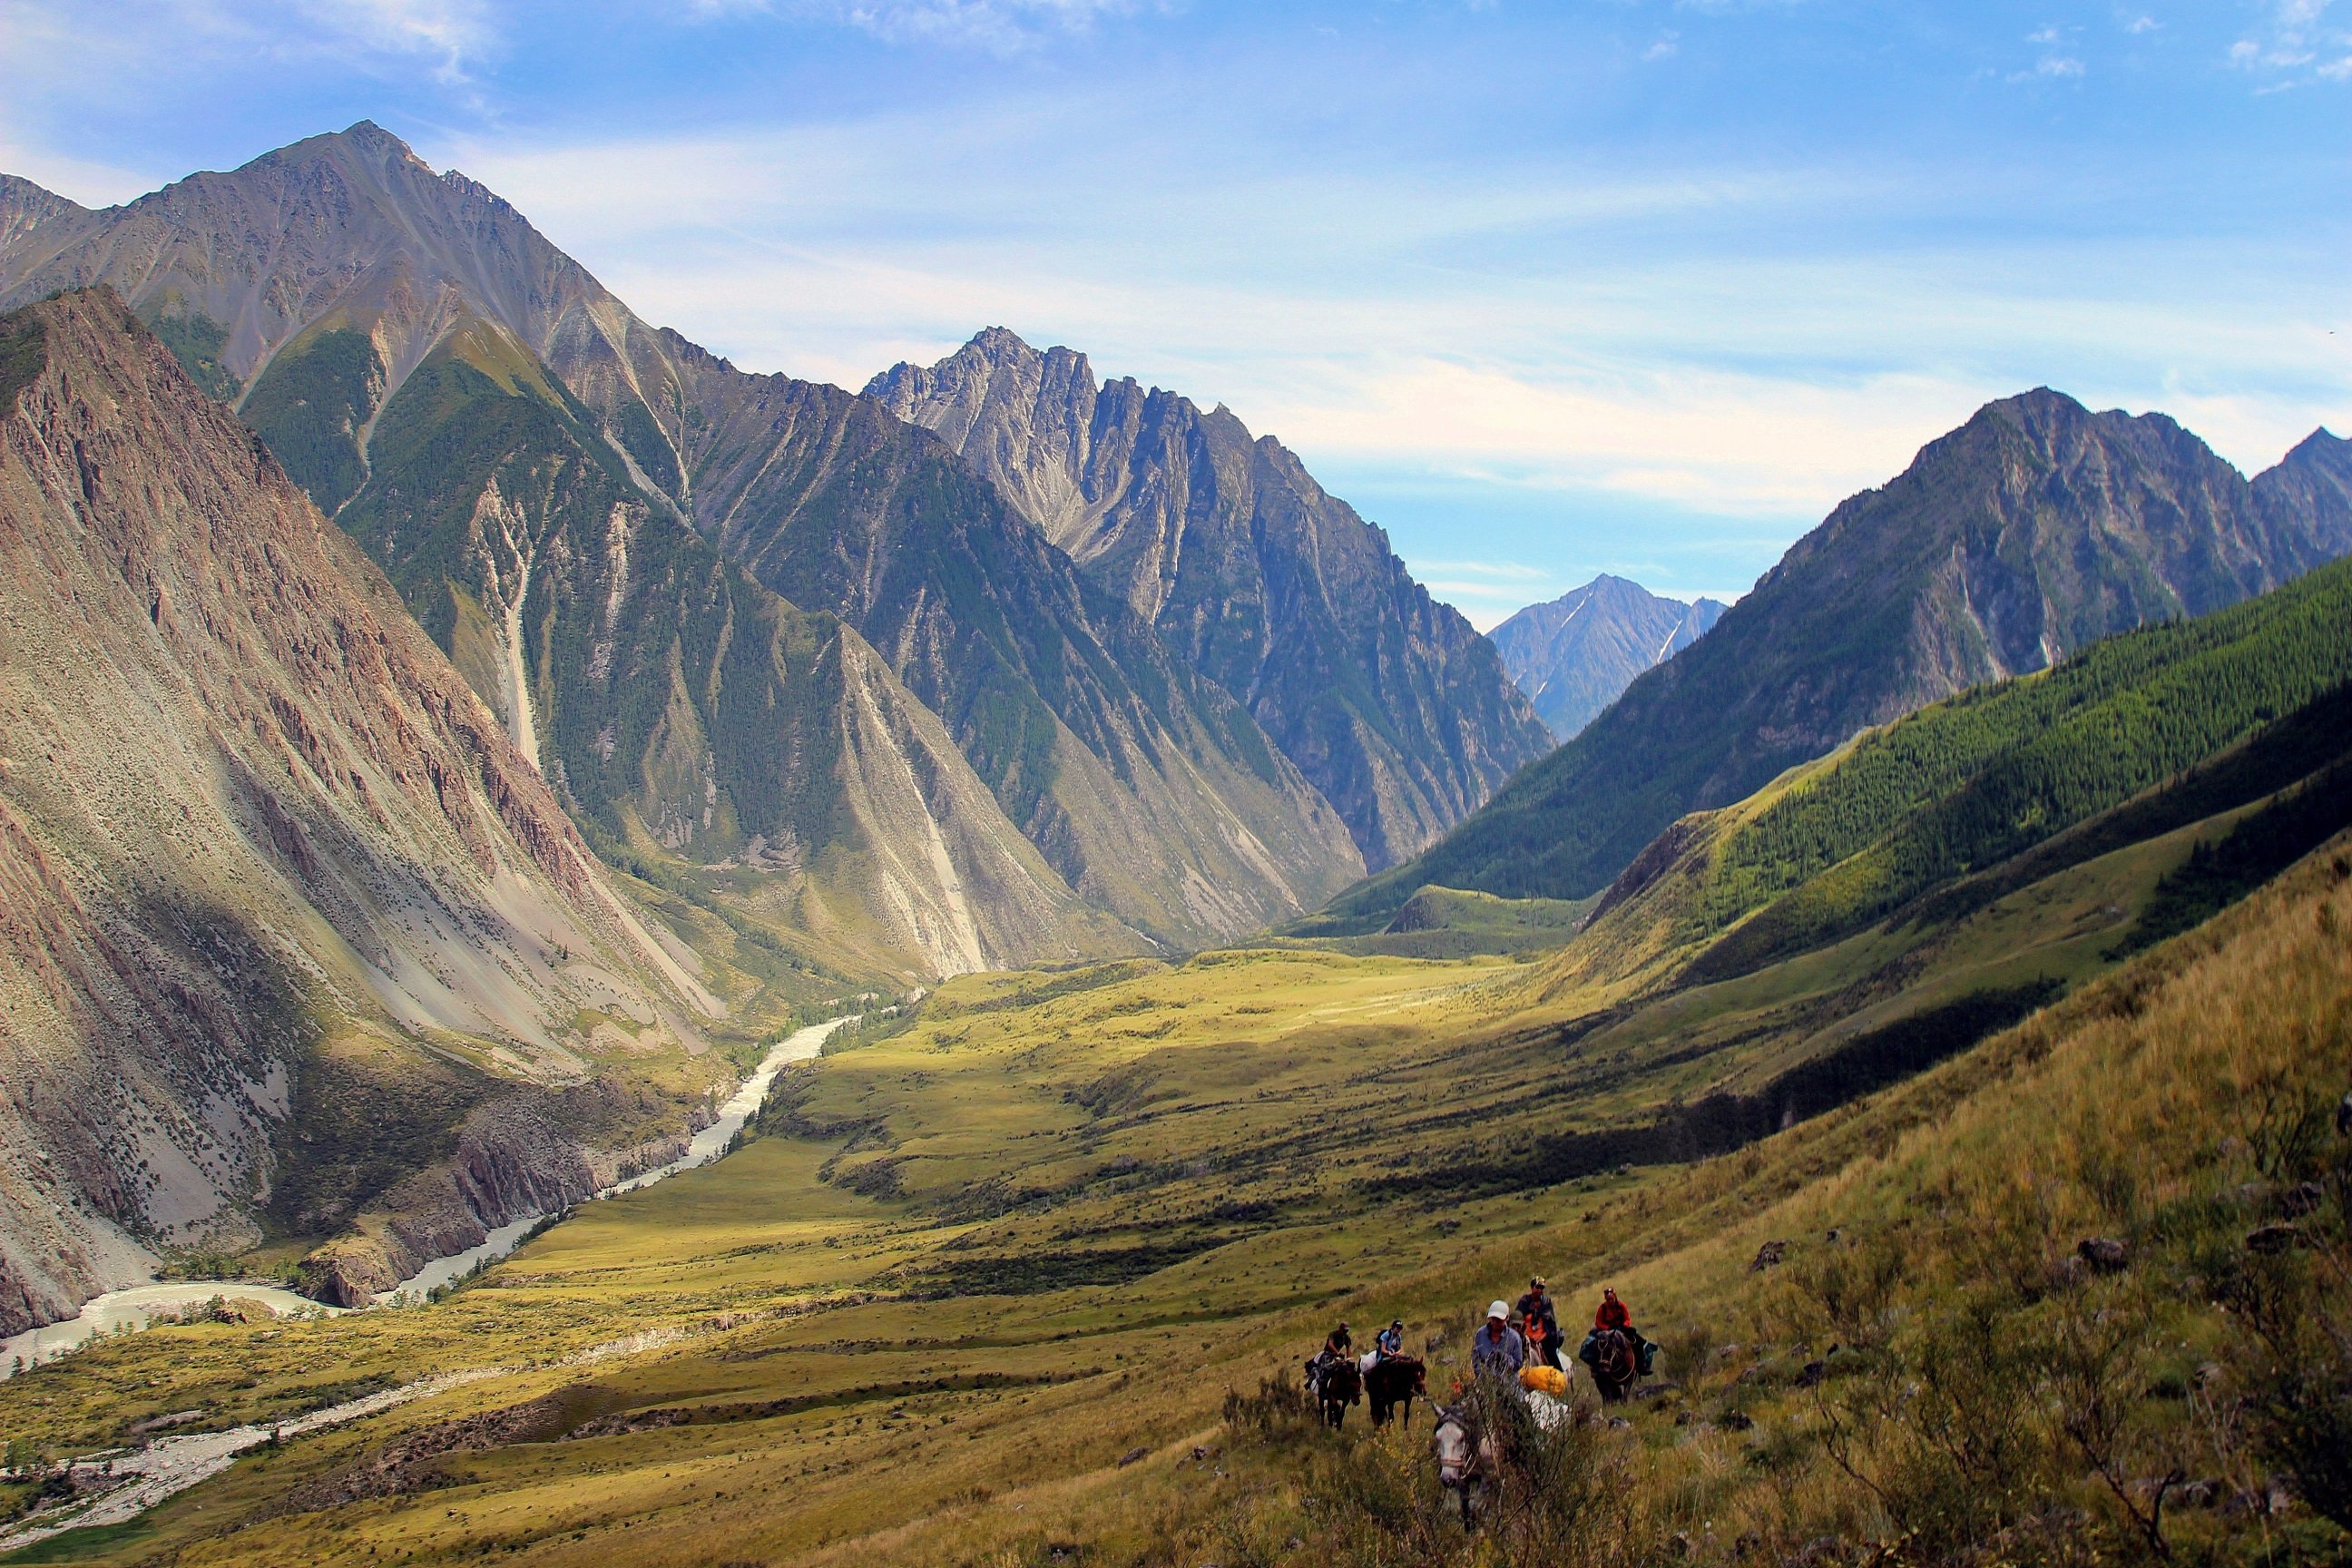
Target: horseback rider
x=1612, y=1315
x=1390, y=1341
x=1541, y=1318
x=1336, y=1346
x=1496, y=1347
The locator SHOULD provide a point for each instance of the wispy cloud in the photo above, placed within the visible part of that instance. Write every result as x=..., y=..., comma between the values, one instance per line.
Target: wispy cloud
x=452, y=36
x=1358, y=319
x=1000, y=26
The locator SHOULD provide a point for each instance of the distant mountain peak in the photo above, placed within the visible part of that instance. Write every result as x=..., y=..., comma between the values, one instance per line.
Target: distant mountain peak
x=1572, y=656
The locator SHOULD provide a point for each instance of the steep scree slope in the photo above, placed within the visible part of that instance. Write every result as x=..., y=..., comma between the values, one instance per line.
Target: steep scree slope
x=314, y=282
x=262, y=853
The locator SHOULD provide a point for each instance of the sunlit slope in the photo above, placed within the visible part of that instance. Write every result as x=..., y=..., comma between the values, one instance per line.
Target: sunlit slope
x=757, y=758
x=1970, y=797
x=803, y=1408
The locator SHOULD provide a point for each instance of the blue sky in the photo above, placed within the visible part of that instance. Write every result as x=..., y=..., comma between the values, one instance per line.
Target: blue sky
x=1638, y=286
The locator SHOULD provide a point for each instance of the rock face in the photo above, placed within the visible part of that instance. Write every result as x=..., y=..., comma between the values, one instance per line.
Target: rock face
x=369, y=316
x=1389, y=702
x=1573, y=656
x=260, y=846
x=2036, y=528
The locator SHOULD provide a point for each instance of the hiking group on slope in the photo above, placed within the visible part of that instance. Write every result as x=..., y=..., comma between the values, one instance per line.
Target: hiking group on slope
x=1516, y=1349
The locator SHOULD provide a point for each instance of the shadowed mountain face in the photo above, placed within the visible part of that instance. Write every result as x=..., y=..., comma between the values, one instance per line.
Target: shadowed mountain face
x=1574, y=655
x=264, y=859
x=2033, y=530
x=368, y=315
x=1389, y=702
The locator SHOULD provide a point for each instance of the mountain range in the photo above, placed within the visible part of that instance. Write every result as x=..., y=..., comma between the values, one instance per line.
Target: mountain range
x=2032, y=532
x=1573, y=655
x=993, y=754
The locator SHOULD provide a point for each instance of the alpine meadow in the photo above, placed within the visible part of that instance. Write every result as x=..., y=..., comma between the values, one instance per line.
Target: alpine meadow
x=613, y=952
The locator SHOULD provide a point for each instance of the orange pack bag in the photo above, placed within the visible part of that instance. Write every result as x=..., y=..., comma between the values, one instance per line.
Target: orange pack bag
x=1544, y=1379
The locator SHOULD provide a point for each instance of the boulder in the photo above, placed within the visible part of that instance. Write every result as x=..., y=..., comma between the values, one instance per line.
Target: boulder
x=2104, y=1254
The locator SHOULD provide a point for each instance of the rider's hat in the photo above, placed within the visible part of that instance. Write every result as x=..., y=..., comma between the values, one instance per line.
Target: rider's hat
x=1498, y=1310
x=1397, y=1324
x=1538, y=1283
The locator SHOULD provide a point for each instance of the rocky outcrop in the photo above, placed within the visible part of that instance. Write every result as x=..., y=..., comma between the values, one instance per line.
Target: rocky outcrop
x=254, y=831
x=1573, y=655
x=1389, y=701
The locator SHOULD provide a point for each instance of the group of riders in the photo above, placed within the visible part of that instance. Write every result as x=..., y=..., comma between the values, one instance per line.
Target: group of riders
x=1511, y=1340
x=1517, y=1348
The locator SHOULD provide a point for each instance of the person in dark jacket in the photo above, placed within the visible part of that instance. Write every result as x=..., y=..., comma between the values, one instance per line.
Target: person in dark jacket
x=1539, y=1320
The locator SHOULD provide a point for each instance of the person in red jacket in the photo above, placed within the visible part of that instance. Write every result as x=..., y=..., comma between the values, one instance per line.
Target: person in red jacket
x=1613, y=1315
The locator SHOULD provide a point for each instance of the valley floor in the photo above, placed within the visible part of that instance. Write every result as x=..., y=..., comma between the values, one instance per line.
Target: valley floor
x=1029, y=1282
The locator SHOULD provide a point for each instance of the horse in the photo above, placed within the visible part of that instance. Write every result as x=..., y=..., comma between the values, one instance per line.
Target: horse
x=1464, y=1461
x=1615, y=1362
x=1337, y=1387
x=1394, y=1381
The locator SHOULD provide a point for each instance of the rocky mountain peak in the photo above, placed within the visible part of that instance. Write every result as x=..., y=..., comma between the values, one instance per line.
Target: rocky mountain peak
x=2029, y=532
x=1573, y=655
x=25, y=205
x=1277, y=590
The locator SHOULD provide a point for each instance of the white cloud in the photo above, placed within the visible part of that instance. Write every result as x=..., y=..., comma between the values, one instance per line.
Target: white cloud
x=1666, y=47
x=2296, y=37
x=1476, y=328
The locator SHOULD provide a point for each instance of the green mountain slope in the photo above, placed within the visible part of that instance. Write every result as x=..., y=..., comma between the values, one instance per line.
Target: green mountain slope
x=2031, y=533
x=687, y=717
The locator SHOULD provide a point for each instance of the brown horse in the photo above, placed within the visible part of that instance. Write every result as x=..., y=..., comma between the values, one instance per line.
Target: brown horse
x=1338, y=1385
x=1615, y=1362
x=1392, y=1382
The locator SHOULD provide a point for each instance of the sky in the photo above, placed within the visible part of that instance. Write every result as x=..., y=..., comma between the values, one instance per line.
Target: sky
x=1635, y=286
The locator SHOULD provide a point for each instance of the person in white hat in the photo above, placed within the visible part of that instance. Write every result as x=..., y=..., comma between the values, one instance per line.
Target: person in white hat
x=1496, y=1347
